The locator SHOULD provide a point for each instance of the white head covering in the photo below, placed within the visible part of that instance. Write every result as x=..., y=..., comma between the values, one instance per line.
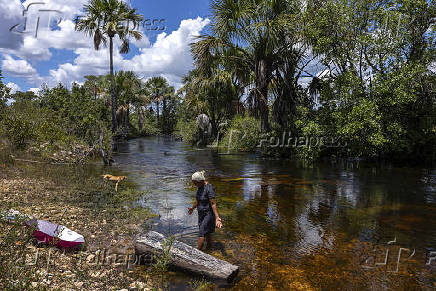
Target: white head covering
x=198, y=176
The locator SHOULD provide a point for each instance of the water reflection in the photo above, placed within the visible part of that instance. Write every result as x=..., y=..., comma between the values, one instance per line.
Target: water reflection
x=285, y=224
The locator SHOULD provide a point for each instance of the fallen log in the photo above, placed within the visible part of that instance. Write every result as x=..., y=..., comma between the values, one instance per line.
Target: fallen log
x=185, y=257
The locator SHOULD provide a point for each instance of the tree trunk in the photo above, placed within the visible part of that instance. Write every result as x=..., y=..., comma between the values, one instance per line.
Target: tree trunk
x=104, y=156
x=164, y=115
x=113, y=97
x=140, y=119
x=262, y=93
x=184, y=257
x=127, y=125
x=157, y=112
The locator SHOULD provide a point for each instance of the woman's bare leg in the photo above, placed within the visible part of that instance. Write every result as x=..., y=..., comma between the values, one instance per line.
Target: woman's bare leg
x=208, y=240
x=200, y=242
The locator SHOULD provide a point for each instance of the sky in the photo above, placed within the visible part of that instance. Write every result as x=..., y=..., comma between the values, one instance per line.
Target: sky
x=40, y=45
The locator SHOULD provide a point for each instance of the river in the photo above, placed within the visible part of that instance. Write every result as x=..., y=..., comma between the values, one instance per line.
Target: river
x=347, y=226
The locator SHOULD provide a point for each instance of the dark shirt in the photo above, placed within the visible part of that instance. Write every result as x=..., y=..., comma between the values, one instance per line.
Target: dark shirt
x=205, y=193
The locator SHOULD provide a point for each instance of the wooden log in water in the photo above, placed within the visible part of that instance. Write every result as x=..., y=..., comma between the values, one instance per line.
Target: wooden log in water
x=186, y=258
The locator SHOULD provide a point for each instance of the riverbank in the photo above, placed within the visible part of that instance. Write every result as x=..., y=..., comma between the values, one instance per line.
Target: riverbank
x=75, y=197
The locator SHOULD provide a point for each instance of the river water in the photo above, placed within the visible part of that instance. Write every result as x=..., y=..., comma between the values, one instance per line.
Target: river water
x=336, y=226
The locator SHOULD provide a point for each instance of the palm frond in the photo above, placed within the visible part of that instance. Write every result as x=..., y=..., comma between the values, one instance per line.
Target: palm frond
x=125, y=47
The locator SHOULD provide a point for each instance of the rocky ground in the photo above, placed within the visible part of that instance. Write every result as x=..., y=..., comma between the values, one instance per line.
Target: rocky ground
x=73, y=197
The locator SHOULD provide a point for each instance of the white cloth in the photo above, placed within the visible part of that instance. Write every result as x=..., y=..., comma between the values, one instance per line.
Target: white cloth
x=198, y=176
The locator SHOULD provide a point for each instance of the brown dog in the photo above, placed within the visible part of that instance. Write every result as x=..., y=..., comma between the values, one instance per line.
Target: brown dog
x=117, y=179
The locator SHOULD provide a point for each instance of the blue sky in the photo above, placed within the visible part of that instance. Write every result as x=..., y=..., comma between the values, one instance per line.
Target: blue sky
x=60, y=54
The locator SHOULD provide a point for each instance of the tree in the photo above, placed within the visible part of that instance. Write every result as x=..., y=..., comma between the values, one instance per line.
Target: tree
x=95, y=85
x=157, y=88
x=375, y=89
x=128, y=88
x=212, y=94
x=24, y=96
x=106, y=19
x=4, y=93
x=249, y=34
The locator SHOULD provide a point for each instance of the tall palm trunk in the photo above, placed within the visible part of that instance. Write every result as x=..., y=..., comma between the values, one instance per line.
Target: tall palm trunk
x=262, y=94
x=113, y=97
x=127, y=125
x=140, y=119
x=164, y=115
x=157, y=111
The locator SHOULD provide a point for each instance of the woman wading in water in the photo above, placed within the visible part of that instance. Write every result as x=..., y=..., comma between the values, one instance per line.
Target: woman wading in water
x=208, y=216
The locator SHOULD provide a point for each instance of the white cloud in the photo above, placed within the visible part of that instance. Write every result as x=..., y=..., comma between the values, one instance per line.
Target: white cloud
x=26, y=45
x=170, y=54
x=14, y=87
x=20, y=68
x=169, y=57
x=35, y=90
x=11, y=15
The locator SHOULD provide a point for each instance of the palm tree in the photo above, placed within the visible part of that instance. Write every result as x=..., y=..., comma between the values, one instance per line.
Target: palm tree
x=94, y=85
x=249, y=36
x=212, y=94
x=189, y=93
x=106, y=19
x=157, y=87
x=128, y=88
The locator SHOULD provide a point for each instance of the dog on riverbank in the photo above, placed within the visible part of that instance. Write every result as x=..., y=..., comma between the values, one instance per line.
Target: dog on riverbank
x=116, y=179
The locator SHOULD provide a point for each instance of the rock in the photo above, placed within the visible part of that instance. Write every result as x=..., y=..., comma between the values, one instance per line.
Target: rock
x=185, y=257
x=78, y=284
x=90, y=258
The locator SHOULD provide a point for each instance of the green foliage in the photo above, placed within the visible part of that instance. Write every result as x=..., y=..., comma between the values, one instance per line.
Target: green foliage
x=57, y=121
x=17, y=129
x=150, y=129
x=187, y=130
x=165, y=102
x=377, y=91
x=17, y=273
x=4, y=93
x=106, y=18
x=25, y=121
x=162, y=260
x=6, y=151
x=83, y=115
x=243, y=134
x=201, y=285
x=309, y=129
x=361, y=127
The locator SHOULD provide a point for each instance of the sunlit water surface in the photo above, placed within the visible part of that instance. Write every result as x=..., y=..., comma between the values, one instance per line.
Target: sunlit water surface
x=290, y=227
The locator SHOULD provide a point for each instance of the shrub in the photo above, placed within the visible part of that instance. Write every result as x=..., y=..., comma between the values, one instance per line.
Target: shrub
x=242, y=135
x=150, y=129
x=5, y=152
x=187, y=130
